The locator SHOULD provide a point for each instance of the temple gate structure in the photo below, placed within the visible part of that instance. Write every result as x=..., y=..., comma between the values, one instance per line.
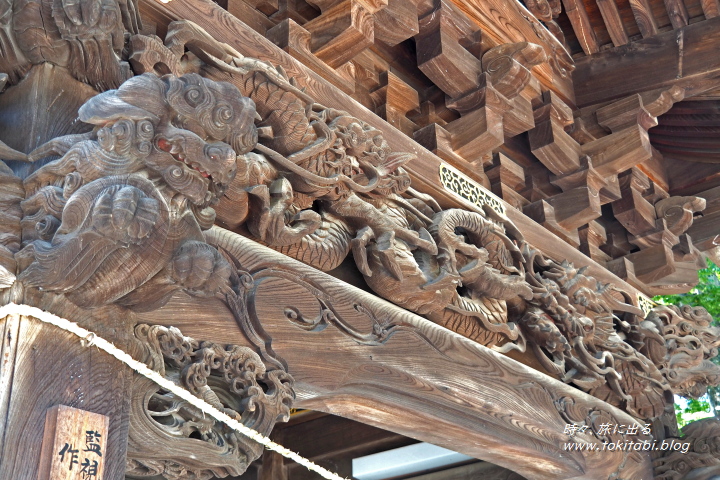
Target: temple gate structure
x=408, y=220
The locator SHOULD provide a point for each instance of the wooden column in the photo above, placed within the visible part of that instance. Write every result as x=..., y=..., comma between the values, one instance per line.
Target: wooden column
x=43, y=366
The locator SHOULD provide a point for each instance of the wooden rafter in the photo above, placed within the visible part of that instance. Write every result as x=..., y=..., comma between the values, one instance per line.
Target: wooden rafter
x=684, y=57
x=644, y=18
x=711, y=8
x=613, y=21
x=580, y=20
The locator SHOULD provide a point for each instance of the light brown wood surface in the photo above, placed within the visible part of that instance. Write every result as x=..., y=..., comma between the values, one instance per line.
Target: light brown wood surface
x=52, y=368
x=424, y=170
x=422, y=381
x=74, y=445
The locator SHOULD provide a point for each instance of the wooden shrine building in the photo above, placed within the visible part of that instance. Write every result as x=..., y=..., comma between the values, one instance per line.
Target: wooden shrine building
x=410, y=220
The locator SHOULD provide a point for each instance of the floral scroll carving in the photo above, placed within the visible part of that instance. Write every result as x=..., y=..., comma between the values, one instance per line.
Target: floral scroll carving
x=231, y=378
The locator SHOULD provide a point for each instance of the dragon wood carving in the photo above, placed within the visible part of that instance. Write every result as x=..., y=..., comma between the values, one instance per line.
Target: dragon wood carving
x=119, y=218
x=696, y=456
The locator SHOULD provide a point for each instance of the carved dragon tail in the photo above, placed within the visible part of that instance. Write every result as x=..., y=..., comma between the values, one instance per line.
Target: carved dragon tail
x=484, y=320
x=325, y=248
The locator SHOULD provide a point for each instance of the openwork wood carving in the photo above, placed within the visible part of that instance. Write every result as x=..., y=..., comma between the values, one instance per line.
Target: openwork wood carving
x=119, y=217
x=118, y=213
x=698, y=461
x=681, y=342
x=231, y=378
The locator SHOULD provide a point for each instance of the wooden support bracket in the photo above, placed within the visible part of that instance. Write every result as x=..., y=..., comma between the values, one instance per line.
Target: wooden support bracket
x=295, y=40
x=341, y=32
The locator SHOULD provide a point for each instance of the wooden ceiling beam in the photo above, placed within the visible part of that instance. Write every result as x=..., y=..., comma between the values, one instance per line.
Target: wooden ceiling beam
x=683, y=57
x=677, y=12
x=711, y=8
x=644, y=18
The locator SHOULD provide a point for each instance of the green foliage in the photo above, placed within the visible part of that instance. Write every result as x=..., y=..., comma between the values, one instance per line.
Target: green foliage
x=705, y=294
x=694, y=410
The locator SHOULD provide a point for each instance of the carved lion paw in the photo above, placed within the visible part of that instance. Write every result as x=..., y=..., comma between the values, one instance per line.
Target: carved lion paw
x=200, y=269
x=126, y=215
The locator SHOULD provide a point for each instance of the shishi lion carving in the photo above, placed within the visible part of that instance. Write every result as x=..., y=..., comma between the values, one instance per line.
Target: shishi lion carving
x=121, y=212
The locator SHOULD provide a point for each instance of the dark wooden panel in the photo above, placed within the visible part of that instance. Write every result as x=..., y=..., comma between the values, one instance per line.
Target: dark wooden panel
x=679, y=57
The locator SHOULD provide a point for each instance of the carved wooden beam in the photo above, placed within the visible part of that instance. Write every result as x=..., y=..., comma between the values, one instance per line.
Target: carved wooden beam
x=694, y=456
x=683, y=57
x=367, y=366
x=424, y=171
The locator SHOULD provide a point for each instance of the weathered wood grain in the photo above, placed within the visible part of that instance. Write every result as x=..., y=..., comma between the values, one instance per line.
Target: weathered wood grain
x=576, y=207
x=580, y=21
x=619, y=151
x=613, y=21
x=677, y=12
x=395, y=99
x=51, y=368
x=295, y=40
x=424, y=170
x=682, y=57
x=711, y=8
x=510, y=22
x=592, y=236
x=646, y=22
x=396, y=22
x=341, y=32
x=74, y=445
x=273, y=467
x=490, y=406
x=549, y=142
x=8, y=354
x=542, y=212
x=441, y=57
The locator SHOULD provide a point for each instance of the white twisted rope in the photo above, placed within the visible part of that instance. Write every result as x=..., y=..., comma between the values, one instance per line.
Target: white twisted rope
x=90, y=339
